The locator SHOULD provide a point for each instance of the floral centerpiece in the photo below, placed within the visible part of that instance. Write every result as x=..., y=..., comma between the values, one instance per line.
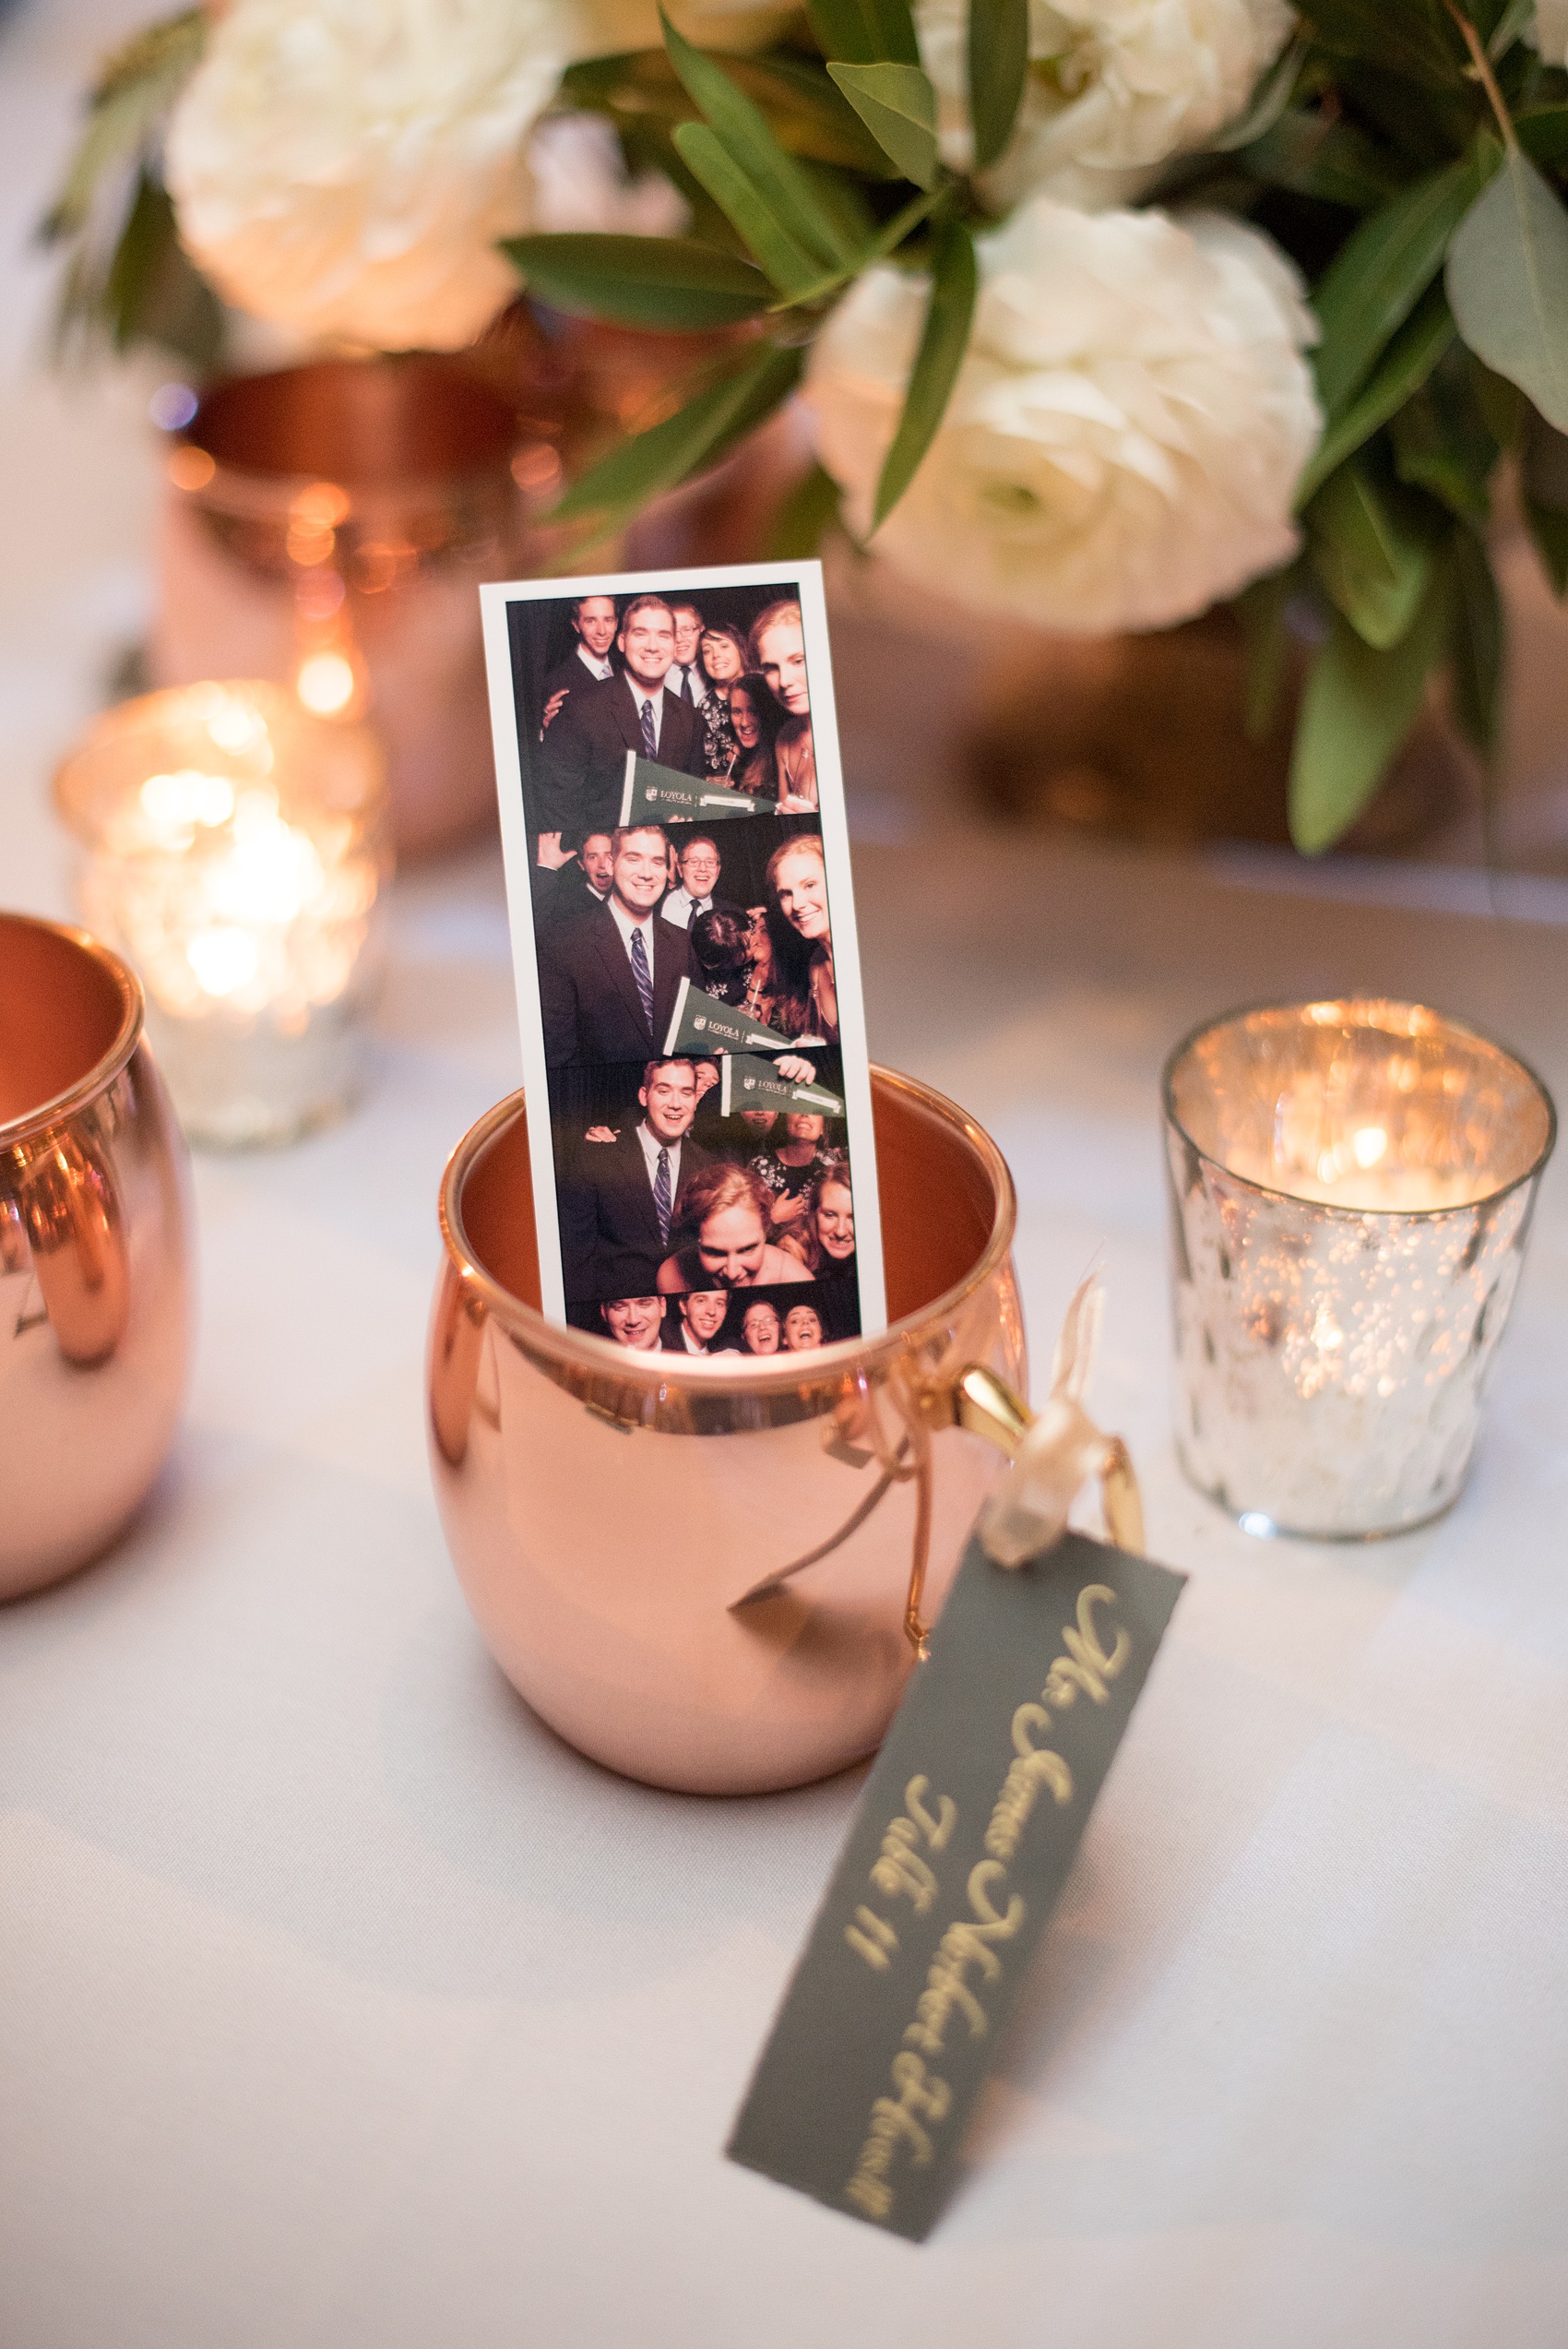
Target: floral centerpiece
x=1105, y=310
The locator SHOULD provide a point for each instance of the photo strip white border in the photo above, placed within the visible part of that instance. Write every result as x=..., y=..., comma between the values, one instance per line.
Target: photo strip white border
x=805, y=578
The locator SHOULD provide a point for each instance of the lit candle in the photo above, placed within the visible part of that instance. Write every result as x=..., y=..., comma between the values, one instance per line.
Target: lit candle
x=236, y=851
x=1351, y=1188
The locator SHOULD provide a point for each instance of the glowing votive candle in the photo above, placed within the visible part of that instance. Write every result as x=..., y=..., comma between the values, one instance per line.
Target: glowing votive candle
x=236, y=850
x=1351, y=1187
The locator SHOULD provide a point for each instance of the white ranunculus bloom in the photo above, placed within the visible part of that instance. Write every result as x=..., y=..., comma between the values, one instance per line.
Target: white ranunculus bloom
x=345, y=167
x=1114, y=88
x=1127, y=428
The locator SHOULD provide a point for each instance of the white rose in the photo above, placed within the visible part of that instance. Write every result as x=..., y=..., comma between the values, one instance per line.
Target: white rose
x=345, y=167
x=1127, y=428
x=1114, y=88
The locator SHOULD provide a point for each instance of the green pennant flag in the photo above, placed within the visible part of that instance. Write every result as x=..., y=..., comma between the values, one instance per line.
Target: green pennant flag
x=747, y=1082
x=703, y=1025
x=655, y=794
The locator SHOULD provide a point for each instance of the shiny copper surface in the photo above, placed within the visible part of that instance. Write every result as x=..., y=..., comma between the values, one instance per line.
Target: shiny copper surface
x=384, y=426
x=606, y=1510
x=352, y=507
x=95, y=1270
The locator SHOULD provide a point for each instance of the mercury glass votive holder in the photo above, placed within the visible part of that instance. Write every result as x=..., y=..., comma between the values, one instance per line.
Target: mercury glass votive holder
x=235, y=852
x=1351, y=1187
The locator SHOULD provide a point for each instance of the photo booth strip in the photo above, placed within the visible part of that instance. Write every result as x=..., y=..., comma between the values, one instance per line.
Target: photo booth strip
x=556, y=918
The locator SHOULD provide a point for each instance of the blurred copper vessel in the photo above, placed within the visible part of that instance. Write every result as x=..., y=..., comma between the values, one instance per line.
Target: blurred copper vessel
x=352, y=507
x=607, y=1510
x=95, y=1272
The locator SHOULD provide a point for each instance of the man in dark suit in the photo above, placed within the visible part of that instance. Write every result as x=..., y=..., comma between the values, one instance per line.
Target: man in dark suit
x=593, y=625
x=622, y=1200
x=576, y=887
x=608, y=980
x=694, y=1322
x=582, y=762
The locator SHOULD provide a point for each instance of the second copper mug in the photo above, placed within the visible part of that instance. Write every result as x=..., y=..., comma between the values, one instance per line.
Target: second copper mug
x=95, y=1270
x=711, y=1573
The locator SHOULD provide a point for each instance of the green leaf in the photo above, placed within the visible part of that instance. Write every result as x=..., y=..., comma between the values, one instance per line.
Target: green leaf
x=1357, y=707
x=1416, y=38
x=1381, y=273
x=135, y=90
x=1405, y=366
x=937, y=362
x=1477, y=643
x=865, y=33
x=842, y=197
x=807, y=115
x=1262, y=609
x=1269, y=101
x=1508, y=283
x=998, y=58
x=642, y=93
x=671, y=283
x=1502, y=403
x=146, y=293
x=1543, y=134
x=1444, y=444
x=1543, y=483
x=1372, y=552
x=1515, y=19
x=1549, y=532
x=887, y=240
x=897, y=105
x=792, y=267
x=810, y=511
x=758, y=163
x=663, y=457
x=1311, y=155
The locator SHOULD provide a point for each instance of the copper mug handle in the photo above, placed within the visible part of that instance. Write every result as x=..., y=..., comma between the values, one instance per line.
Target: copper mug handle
x=75, y=1223
x=985, y=1405
x=978, y=1401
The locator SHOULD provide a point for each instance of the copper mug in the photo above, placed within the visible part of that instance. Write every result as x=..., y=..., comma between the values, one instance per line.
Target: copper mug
x=95, y=1285
x=709, y=1573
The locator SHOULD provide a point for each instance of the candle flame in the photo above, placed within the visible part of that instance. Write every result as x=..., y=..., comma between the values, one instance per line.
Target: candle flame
x=177, y=803
x=224, y=959
x=326, y=684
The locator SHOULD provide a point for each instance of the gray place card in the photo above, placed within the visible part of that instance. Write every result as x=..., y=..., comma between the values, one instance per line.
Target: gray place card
x=962, y=1841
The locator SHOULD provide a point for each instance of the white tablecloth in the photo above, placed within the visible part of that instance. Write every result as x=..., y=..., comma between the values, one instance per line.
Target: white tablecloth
x=341, y=2004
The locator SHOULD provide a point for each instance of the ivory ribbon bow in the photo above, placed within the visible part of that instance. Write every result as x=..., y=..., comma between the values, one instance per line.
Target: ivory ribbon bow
x=1059, y=1450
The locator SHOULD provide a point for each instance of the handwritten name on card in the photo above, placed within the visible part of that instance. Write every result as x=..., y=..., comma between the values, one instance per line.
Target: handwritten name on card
x=965, y=1834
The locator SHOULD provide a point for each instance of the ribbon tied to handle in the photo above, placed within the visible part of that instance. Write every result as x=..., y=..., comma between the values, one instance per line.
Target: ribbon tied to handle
x=1055, y=1452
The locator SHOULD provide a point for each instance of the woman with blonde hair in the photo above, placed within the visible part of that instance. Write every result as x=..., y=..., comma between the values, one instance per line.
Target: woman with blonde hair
x=823, y=1240
x=805, y=998
x=727, y=1211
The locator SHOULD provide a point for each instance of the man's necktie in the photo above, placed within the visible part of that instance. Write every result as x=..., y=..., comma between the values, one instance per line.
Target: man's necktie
x=662, y=1195
x=651, y=740
x=643, y=976
x=686, y=694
